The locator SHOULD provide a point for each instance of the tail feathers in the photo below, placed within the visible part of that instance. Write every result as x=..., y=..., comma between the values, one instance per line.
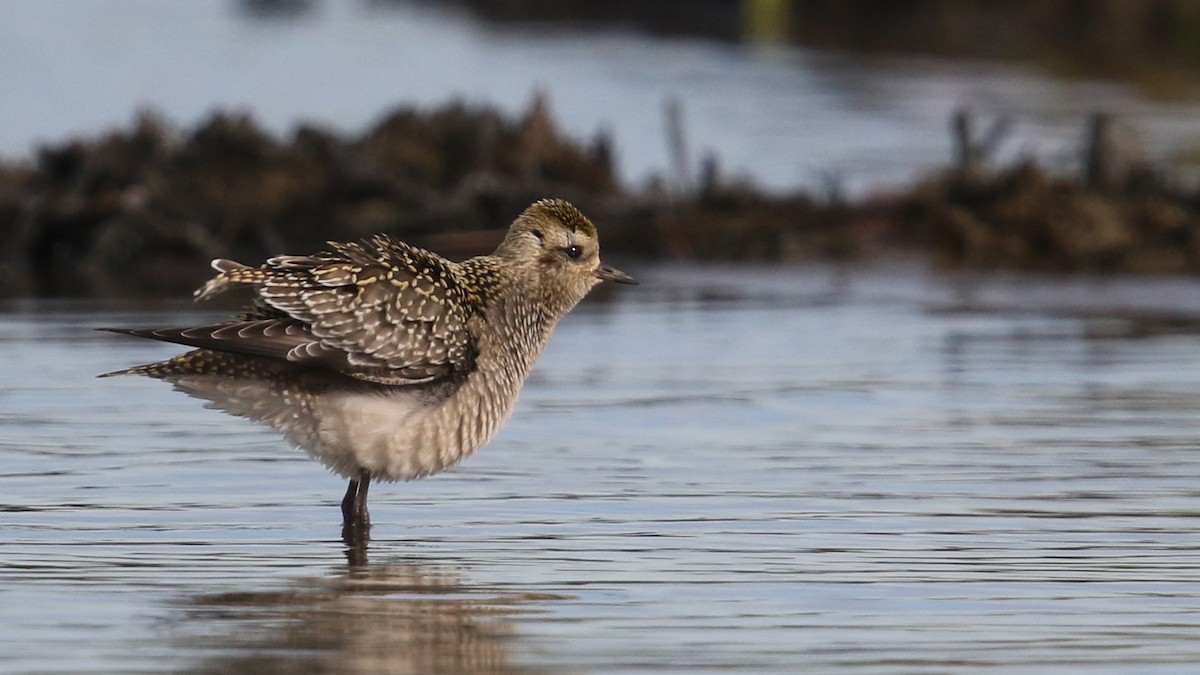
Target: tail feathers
x=200, y=362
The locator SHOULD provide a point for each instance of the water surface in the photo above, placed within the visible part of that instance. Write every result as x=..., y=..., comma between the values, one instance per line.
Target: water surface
x=815, y=470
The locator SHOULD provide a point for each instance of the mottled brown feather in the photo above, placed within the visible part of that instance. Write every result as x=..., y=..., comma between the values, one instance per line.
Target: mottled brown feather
x=391, y=312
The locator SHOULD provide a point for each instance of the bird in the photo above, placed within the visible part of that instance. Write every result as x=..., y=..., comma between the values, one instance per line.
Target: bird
x=385, y=361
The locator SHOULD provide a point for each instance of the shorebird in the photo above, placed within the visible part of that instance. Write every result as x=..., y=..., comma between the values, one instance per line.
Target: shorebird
x=383, y=360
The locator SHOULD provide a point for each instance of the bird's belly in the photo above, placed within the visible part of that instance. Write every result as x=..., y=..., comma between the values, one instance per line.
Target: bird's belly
x=394, y=436
x=395, y=433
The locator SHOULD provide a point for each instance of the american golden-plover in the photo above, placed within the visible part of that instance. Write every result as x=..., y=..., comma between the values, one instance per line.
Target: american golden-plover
x=382, y=360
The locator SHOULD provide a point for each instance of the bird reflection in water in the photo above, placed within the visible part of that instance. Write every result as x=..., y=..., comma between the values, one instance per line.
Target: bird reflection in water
x=397, y=618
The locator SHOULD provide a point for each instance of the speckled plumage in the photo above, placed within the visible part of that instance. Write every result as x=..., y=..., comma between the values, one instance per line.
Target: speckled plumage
x=381, y=359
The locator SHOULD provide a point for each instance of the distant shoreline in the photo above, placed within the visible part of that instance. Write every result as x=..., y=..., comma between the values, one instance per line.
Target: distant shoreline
x=140, y=211
x=1149, y=43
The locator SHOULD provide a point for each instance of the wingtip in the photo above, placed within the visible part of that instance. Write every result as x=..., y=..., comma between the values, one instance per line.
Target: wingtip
x=135, y=332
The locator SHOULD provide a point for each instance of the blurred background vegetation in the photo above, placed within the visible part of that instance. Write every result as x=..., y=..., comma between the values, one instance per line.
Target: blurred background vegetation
x=1154, y=42
x=138, y=208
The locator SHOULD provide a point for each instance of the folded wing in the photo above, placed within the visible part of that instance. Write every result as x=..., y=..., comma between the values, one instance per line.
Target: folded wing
x=381, y=311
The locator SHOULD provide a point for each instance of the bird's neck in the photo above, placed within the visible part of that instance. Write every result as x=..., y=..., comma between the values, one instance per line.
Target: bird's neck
x=520, y=324
x=514, y=335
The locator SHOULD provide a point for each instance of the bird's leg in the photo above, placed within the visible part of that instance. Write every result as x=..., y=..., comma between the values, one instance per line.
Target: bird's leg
x=354, y=504
x=356, y=522
x=360, y=500
x=348, y=502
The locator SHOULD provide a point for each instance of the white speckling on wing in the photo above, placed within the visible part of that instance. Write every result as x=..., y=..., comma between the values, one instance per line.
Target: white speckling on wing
x=431, y=354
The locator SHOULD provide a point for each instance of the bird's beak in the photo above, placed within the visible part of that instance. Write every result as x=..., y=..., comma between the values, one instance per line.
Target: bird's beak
x=606, y=273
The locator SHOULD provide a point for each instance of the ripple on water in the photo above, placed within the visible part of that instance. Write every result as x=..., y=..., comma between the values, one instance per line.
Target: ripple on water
x=867, y=484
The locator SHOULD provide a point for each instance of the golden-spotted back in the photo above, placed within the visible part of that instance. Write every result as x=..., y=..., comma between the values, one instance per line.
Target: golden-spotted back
x=398, y=313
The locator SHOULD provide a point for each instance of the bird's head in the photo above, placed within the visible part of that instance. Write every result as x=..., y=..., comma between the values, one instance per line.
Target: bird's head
x=557, y=244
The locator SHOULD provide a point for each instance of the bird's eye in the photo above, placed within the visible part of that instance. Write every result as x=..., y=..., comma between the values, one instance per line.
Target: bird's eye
x=538, y=234
x=574, y=252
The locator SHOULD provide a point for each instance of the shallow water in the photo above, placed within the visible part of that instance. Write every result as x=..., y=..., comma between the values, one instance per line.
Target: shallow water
x=783, y=116
x=722, y=469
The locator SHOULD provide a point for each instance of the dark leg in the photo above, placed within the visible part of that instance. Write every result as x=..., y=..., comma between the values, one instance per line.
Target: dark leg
x=348, y=502
x=360, y=503
x=356, y=522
